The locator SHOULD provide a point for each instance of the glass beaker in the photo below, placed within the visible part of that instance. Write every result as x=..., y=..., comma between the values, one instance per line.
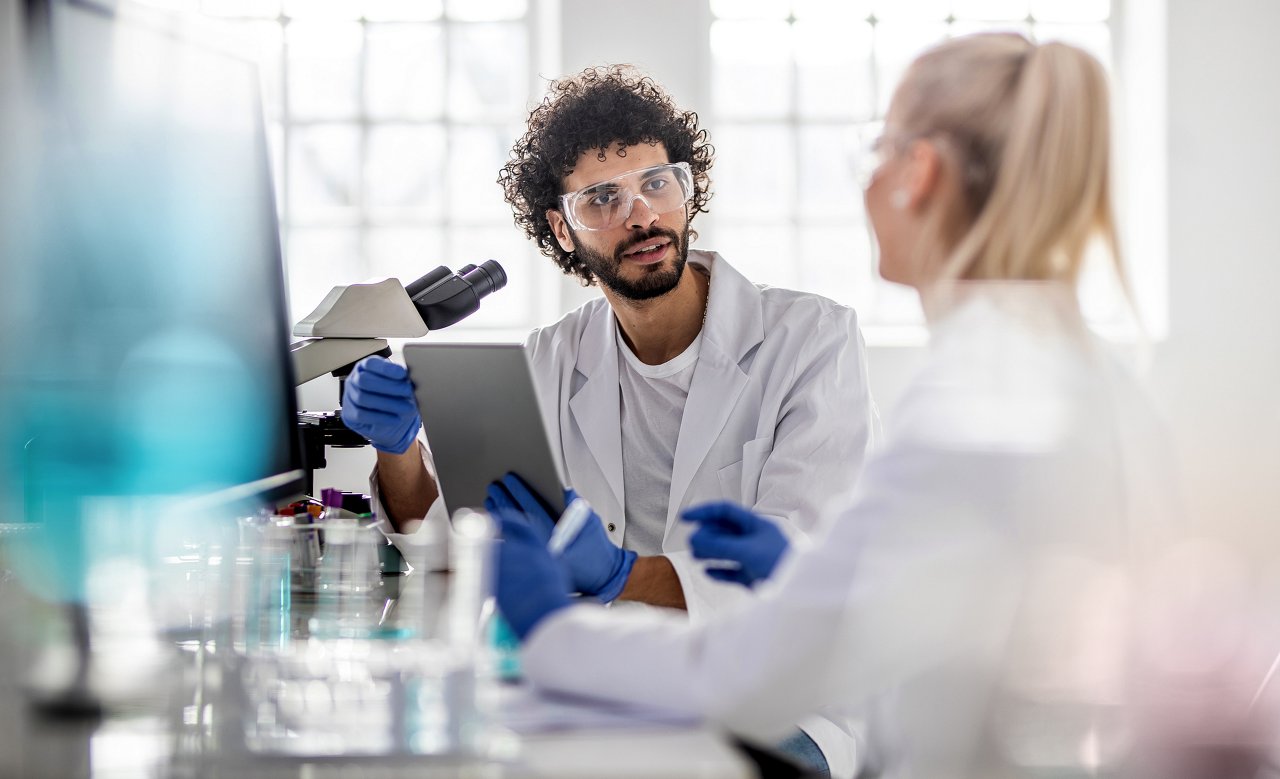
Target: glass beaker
x=349, y=593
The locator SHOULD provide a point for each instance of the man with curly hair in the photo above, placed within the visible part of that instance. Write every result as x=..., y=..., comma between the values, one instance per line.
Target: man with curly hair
x=684, y=383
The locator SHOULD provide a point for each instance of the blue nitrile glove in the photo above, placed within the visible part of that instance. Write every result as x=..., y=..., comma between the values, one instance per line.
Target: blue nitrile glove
x=378, y=404
x=530, y=583
x=595, y=564
x=727, y=531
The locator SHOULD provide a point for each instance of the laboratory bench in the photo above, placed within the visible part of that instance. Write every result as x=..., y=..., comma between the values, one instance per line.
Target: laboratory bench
x=290, y=692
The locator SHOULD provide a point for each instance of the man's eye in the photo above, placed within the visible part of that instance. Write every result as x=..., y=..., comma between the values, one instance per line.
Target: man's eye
x=603, y=199
x=656, y=185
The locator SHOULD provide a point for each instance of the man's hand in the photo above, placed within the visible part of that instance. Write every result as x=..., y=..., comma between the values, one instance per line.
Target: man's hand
x=730, y=532
x=378, y=404
x=594, y=564
x=530, y=584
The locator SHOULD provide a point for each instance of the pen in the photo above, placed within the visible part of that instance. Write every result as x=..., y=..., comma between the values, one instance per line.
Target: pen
x=571, y=523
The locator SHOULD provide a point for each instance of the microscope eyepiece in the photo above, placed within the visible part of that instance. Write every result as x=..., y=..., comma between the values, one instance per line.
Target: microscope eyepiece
x=486, y=278
x=445, y=298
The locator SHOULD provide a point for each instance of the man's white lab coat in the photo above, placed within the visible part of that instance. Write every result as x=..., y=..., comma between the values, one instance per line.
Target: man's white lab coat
x=1021, y=472
x=778, y=418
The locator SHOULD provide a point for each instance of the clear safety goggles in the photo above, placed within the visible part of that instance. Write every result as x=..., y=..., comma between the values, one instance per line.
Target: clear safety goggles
x=606, y=205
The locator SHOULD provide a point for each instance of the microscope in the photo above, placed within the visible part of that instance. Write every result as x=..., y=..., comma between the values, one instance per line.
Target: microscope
x=355, y=321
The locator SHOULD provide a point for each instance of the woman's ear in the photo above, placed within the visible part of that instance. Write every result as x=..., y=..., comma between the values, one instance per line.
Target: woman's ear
x=923, y=172
x=560, y=228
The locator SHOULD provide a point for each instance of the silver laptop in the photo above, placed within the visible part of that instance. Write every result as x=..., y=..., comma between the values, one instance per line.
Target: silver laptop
x=481, y=417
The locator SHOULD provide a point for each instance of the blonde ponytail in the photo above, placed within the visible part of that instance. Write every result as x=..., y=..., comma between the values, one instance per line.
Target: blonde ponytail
x=1030, y=129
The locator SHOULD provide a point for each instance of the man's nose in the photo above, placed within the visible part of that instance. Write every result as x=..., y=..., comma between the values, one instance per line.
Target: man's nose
x=642, y=216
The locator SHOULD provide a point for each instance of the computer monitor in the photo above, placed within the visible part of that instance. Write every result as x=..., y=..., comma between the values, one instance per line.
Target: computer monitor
x=157, y=362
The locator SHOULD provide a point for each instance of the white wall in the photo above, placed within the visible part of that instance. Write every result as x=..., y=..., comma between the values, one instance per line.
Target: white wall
x=1219, y=370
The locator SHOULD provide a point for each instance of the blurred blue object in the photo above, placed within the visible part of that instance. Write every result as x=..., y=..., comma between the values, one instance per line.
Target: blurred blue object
x=146, y=341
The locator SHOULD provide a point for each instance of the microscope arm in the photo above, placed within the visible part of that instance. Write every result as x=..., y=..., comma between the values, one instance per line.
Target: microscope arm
x=314, y=357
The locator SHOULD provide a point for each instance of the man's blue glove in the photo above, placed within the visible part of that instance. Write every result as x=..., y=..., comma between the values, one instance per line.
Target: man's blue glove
x=530, y=583
x=378, y=404
x=728, y=531
x=596, y=566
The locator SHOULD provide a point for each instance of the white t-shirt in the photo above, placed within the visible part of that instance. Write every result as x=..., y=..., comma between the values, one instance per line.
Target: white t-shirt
x=652, y=406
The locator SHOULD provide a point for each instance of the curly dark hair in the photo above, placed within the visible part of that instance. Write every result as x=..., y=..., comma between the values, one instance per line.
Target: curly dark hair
x=592, y=110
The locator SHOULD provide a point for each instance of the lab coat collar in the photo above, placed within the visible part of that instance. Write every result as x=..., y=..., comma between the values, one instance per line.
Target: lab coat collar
x=596, y=406
x=733, y=328
x=735, y=321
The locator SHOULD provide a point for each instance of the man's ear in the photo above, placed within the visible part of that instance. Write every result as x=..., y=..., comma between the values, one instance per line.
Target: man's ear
x=560, y=228
x=924, y=172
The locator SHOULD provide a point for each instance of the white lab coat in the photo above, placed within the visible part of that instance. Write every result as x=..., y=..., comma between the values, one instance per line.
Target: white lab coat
x=1019, y=460
x=778, y=418
x=778, y=412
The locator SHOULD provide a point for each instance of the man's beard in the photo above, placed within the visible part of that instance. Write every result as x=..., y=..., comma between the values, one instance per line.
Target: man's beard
x=656, y=280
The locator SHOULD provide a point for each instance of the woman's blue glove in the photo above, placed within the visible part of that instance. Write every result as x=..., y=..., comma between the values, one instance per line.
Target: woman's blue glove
x=378, y=404
x=728, y=531
x=595, y=565
x=530, y=583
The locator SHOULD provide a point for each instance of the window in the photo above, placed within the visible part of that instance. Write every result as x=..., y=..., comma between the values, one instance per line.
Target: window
x=795, y=84
x=389, y=121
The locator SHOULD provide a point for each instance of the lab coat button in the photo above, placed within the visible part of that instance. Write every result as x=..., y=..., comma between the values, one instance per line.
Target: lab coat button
x=612, y=527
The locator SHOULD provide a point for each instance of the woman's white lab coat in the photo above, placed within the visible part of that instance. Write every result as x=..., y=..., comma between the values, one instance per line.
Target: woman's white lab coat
x=1020, y=467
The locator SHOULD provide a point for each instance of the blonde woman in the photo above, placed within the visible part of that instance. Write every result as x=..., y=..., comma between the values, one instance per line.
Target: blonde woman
x=969, y=587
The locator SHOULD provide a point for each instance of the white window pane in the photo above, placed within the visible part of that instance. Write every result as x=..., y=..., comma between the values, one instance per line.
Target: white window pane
x=402, y=10
x=754, y=171
x=404, y=253
x=334, y=10
x=265, y=46
x=833, y=69
x=486, y=10
x=404, y=74
x=475, y=156
x=1071, y=10
x=968, y=27
x=1093, y=38
x=911, y=10
x=991, y=10
x=324, y=65
x=835, y=261
x=511, y=306
x=405, y=171
x=764, y=253
x=750, y=68
x=324, y=172
x=751, y=9
x=320, y=259
x=897, y=44
x=833, y=11
x=171, y=6
x=489, y=79
x=1102, y=298
x=262, y=9
x=826, y=182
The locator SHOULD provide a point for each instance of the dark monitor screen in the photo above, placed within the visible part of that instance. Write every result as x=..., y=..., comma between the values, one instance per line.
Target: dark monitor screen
x=155, y=277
